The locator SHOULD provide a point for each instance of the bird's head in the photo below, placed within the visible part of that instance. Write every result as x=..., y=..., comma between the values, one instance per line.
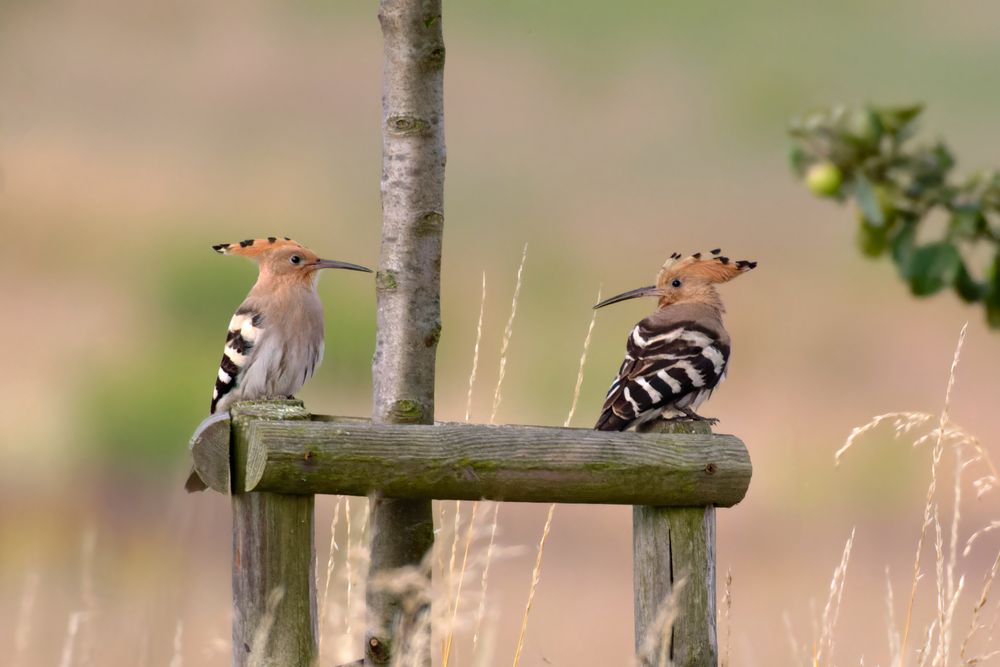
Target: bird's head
x=689, y=280
x=283, y=259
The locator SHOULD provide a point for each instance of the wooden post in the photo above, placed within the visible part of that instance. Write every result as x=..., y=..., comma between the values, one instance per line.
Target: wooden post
x=408, y=308
x=274, y=559
x=673, y=550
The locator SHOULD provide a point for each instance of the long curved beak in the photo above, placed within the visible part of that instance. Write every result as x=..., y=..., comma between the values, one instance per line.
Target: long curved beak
x=649, y=290
x=334, y=264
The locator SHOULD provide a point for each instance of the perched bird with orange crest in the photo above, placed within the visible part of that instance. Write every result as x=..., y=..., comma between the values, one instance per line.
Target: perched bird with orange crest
x=677, y=356
x=275, y=338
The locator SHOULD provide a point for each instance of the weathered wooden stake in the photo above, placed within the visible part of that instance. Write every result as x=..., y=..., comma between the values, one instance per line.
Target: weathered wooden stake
x=274, y=560
x=408, y=306
x=673, y=551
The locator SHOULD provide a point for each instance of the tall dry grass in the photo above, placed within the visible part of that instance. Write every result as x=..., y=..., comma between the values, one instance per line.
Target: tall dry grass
x=935, y=645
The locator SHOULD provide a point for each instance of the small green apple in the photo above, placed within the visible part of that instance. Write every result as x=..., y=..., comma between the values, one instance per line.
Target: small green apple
x=824, y=178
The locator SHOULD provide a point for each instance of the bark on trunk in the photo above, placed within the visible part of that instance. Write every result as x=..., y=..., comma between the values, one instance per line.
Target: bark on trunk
x=409, y=317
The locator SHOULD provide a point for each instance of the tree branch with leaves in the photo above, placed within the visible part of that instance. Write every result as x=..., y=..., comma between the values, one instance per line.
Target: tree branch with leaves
x=869, y=156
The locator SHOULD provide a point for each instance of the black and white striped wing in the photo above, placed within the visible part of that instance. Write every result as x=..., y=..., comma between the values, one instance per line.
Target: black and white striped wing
x=666, y=368
x=245, y=330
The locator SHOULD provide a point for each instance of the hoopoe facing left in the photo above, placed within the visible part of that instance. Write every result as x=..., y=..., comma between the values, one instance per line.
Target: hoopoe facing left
x=677, y=356
x=275, y=339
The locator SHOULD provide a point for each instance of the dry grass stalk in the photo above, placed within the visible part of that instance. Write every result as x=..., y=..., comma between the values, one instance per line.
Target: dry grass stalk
x=72, y=630
x=177, y=659
x=349, y=569
x=824, y=647
x=487, y=647
x=507, y=333
x=535, y=576
x=25, y=611
x=548, y=521
x=262, y=633
x=659, y=638
x=975, y=625
x=925, y=650
x=988, y=528
x=583, y=363
x=902, y=423
x=361, y=558
x=929, y=509
x=475, y=351
x=329, y=565
x=450, y=574
x=536, y=572
x=951, y=590
x=950, y=619
x=357, y=555
x=939, y=585
x=481, y=611
x=894, y=648
x=88, y=594
x=798, y=658
x=497, y=397
x=727, y=608
x=455, y=602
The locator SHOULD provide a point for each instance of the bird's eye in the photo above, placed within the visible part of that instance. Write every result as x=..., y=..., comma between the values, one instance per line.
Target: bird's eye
x=676, y=282
x=294, y=259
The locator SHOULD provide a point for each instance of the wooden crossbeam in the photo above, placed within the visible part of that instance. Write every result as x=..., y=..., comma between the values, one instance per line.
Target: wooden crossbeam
x=448, y=461
x=510, y=463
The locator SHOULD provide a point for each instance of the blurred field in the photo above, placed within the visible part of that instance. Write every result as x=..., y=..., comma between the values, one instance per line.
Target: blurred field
x=133, y=135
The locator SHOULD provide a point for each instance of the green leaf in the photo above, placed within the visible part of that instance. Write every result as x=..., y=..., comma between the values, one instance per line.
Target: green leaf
x=862, y=127
x=872, y=239
x=868, y=200
x=966, y=222
x=798, y=159
x=903, y=246
x=992, y=296
x=933, y=267
x=968, y=288
x=895, y=119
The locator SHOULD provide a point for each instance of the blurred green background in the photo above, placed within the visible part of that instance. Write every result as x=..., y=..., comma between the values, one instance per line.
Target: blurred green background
x=133, y=135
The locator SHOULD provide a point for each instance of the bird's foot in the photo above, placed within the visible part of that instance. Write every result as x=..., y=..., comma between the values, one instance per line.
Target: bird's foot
x=691, y=415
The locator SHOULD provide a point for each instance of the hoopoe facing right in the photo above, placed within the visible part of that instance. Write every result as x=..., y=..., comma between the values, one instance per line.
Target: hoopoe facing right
x=677, y=356
x=275, y=339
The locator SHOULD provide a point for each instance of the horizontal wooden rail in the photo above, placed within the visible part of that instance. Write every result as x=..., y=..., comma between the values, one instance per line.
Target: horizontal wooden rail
x=510, y=463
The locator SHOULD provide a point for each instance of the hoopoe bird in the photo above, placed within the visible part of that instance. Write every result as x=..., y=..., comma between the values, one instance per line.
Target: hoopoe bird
x=275, y=339
x=677, y=356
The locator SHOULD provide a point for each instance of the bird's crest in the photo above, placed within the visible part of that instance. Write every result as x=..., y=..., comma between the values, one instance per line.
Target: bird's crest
x=713, y=268
x=253, y=248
